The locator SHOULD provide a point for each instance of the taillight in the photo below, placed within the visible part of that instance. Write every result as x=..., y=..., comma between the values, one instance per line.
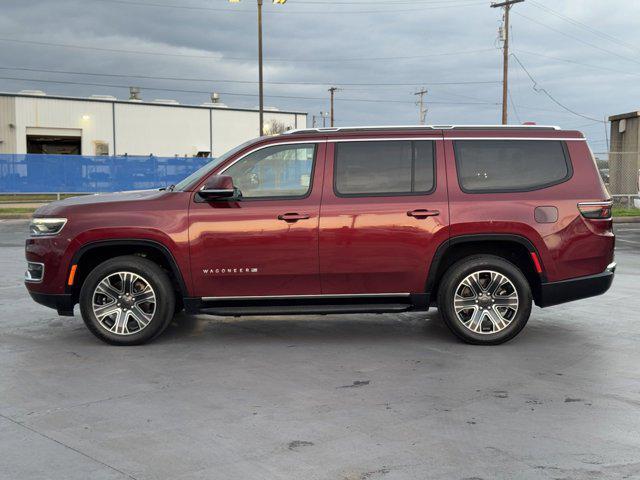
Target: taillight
x=596, y=210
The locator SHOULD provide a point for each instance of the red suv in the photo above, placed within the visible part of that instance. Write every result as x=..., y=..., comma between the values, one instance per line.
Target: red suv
x=478, y=221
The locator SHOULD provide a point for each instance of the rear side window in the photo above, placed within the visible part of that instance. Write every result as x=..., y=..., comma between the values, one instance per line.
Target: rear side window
x=384, y=168
x=510, y=165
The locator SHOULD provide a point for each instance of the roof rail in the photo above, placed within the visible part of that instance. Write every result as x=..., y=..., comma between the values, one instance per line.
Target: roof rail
x=419, y=127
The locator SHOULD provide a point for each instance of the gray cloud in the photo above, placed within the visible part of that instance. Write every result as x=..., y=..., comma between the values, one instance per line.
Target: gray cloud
x=436, y=33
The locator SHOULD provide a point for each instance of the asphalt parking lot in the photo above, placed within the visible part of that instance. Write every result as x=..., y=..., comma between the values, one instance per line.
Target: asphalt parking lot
x=358, y=397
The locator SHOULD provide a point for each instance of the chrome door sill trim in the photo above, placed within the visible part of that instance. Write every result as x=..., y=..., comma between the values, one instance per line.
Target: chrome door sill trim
x=341, y=295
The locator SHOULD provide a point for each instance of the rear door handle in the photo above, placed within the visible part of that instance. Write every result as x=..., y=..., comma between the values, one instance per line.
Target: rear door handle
x=293, y=217
x=423, y=213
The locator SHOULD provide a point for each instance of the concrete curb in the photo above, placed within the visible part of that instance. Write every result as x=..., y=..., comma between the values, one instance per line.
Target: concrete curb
x=15, y=216
x=626, y=219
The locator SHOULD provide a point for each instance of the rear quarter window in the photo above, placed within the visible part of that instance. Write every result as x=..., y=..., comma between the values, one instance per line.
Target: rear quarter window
x=486, y=166
x=384, y=168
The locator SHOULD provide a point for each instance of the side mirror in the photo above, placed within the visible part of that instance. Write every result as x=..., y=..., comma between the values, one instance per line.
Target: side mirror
x=218, y=187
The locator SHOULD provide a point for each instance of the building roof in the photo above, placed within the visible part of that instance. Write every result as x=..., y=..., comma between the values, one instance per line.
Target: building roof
x=623, y=116
x=157, y=103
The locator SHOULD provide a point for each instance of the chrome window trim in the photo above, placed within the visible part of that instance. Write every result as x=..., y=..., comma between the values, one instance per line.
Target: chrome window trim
x=440, y=139
x=548, y=139
x=383, y=139
x=386, y=139
x=262, y=147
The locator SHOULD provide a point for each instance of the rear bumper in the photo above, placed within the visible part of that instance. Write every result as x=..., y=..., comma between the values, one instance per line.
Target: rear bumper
x=554, y=293
x=63, y=303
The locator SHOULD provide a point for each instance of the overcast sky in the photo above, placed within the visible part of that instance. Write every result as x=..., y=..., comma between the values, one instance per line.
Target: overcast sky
x=584, y=53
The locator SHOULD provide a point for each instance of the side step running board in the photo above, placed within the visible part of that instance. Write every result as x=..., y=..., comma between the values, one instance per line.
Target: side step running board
x=242, y=310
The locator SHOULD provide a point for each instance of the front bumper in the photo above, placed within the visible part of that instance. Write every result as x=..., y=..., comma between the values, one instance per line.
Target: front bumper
x=63, y=303
x=554, y=293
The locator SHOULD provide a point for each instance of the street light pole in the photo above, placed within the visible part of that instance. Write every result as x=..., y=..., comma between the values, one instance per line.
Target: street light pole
x=260, y=75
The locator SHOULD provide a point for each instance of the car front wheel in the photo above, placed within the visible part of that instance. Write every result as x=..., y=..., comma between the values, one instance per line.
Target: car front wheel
x=127, y=300
x=484, y=300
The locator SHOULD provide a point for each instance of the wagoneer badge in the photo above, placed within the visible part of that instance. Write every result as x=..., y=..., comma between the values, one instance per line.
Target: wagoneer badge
x=217, y=271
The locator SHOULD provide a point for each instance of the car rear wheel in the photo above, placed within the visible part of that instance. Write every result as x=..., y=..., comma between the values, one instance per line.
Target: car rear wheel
x=484, y=300
x=127, y=300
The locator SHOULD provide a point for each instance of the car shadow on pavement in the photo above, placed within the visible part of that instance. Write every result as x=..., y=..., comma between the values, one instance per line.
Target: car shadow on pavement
x=318, y=329
x=343, y=328
x=310, y=328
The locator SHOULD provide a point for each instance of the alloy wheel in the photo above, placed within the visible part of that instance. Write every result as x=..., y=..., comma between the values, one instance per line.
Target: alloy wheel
x=486, y=302
x=124, y=303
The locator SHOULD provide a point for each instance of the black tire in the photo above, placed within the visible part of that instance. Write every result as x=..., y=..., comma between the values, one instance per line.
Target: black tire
x=452, y=280
x=151, y=273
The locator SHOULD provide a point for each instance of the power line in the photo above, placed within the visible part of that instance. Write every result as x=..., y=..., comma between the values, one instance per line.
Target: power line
x=289, y=12
x=597, y=67
x=222, y=57
x=248, y=82
x=368, y=2
x=68, y=82
x=578, y=39
x=584, y=26
x=539, y=89
x=513, y=106
x=292, y=97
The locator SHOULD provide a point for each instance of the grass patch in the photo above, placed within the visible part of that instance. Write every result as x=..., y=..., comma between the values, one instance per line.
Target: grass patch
x=16, y=212
x=12, y=210
x=626, y=212
x=38, y=197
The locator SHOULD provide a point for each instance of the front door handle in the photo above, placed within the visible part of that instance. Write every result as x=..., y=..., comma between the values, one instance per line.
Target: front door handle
x=293, y=217
x=423, y=213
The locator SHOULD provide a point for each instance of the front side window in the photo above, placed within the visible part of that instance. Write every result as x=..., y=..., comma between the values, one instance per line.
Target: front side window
x=510, y=165
x=202, y=171
x=281, y=171
x=377, y=168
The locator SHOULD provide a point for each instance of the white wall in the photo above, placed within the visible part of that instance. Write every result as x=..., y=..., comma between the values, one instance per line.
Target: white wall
x=7, y=118
x=141, y=129
x=93, y=118
x=232, y=127
x=301, y=120
x=161, y=130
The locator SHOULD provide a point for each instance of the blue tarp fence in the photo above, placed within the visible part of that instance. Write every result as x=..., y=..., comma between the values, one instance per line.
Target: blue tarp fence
x=43, y=173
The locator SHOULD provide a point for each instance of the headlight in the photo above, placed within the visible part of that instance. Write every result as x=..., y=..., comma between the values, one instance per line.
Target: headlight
x=40, y=227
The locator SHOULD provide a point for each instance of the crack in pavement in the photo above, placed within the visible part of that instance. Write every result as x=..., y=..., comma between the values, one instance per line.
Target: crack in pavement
x=73, y=449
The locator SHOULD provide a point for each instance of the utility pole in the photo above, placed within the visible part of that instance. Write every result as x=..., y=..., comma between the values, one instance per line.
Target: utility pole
x=505, y=54
x=260, y=76
x=423, y=111
x=332, y=91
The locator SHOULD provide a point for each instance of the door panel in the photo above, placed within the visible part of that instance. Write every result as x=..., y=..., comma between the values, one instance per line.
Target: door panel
x=385, y=243
x=260, y=246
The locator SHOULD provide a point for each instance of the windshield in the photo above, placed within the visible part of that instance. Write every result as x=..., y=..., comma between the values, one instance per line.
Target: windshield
x=209, y=166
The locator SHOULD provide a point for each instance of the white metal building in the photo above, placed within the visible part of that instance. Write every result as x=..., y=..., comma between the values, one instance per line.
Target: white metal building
x=33, y=122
